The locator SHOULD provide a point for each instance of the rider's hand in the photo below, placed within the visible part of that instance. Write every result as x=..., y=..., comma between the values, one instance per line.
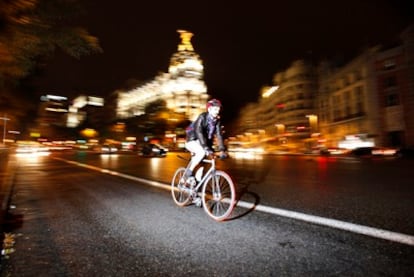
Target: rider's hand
x=223, y=155
x=209, y=152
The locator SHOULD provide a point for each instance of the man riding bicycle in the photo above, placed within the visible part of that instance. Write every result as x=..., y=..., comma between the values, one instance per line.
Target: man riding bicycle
x=201, y=133
x=214, y=189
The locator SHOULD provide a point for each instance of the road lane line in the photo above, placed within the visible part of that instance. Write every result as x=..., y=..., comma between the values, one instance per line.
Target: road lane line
x=111, y=172
x=333, y=223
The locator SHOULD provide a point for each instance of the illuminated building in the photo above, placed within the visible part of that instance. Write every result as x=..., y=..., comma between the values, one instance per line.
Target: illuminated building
x=294, y=99
x=182, y=88
x=347, y=103
x=51, y=113
x=287, y=102
x=370, y=98
x=395, y=83
x=81, y=109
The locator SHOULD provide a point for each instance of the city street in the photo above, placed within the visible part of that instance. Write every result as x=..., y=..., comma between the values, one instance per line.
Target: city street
x=85, y=214
x=100, y=103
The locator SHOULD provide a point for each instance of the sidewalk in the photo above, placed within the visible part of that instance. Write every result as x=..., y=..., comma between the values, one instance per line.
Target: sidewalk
x=6, y=181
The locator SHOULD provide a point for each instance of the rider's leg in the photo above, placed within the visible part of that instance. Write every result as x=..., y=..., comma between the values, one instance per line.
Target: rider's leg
x=198, y=154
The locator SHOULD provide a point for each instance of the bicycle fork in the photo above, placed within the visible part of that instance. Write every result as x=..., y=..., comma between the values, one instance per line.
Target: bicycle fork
x=215, y=188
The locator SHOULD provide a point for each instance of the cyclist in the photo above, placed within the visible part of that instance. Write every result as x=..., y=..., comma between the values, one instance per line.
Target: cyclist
x=201, y=133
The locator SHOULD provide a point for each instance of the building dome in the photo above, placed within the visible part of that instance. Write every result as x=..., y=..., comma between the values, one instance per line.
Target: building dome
x=182, y=88
x=185, y=62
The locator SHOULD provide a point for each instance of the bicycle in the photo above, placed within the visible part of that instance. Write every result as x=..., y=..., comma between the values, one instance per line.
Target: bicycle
x=218, y=194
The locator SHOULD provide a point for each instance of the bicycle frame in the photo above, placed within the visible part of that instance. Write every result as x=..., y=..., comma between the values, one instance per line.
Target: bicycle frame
x=209, y=172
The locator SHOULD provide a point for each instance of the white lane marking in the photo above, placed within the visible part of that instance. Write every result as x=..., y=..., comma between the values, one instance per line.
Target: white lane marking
x=333, y=223
x=111, y=172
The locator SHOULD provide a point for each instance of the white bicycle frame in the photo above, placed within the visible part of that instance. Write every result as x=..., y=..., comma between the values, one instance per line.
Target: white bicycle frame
x=205, y=175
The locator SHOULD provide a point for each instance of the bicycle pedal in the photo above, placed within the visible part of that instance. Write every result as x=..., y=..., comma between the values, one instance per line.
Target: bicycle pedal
x=197, y=201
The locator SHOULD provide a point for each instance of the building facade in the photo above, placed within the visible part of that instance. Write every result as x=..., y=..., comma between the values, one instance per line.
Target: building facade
x=293, y=102
x=51, y=113
x=371, y=98
x=182, y=88
x=394, y=70
x=284, y=109
x=347, y=102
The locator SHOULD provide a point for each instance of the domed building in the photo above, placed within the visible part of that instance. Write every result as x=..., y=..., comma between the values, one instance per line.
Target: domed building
x=182, y=88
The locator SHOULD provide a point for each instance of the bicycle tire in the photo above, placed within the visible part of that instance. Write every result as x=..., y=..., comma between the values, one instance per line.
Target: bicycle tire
x=180, y=193
x=219, y=196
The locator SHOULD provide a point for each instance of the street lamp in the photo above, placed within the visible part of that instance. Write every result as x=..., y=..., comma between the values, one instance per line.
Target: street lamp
x=4, y=118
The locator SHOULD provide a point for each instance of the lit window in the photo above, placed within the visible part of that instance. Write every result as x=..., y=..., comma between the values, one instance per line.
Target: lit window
x=389, y=64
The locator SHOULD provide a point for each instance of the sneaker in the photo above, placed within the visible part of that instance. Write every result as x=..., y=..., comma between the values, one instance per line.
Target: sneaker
x=191, y=181
x=197, y=201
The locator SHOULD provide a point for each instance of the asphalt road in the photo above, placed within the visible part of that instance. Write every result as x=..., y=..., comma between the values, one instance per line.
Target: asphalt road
x=68, y=220
x=374, y=192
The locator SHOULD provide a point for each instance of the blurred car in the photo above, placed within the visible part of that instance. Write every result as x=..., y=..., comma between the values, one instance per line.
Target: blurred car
x=108, y=149
x=153, y=150
x=334, y=151
x=31, y=147
x=374, y=151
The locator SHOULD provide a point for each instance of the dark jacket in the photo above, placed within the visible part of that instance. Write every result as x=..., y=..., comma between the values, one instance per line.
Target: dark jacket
x=199, y=130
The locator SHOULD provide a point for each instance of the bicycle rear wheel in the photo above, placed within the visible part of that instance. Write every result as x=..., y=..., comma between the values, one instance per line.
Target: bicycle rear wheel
x=180, y=193
x=219, y=196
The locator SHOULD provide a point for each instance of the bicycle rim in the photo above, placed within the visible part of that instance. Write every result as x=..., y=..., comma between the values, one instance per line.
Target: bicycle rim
x=180, y=193
x=219, y=196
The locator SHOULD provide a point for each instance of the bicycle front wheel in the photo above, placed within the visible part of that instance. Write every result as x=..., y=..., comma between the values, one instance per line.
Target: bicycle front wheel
x=219, y=195
x=180, y=193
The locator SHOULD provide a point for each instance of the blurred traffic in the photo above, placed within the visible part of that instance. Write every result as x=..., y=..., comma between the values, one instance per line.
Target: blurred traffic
x=235, y=150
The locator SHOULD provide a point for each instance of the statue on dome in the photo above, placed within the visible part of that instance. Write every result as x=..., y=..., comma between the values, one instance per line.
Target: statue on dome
x=185, y=41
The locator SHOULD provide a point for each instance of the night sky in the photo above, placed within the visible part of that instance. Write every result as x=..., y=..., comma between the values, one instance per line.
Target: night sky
x=242, y=45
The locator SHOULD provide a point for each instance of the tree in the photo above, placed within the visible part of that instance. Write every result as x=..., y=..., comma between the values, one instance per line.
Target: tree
x=30, y=32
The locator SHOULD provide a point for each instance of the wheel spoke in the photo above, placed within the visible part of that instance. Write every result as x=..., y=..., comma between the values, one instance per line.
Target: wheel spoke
x=180, y=193
x=219, y=196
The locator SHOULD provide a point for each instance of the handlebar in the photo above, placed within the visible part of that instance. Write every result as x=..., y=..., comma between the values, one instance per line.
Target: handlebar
x=213, y=156
x=220, y=156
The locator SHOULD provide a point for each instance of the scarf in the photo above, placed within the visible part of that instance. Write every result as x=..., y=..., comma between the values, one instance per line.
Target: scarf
x=211, y=123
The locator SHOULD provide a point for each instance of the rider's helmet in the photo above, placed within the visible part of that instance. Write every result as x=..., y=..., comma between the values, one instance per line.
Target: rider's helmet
x=213, y=103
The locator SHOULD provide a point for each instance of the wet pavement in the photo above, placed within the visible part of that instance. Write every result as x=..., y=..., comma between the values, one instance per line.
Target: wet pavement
x=6, y=180
x=80, y=222
x=72, y=221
